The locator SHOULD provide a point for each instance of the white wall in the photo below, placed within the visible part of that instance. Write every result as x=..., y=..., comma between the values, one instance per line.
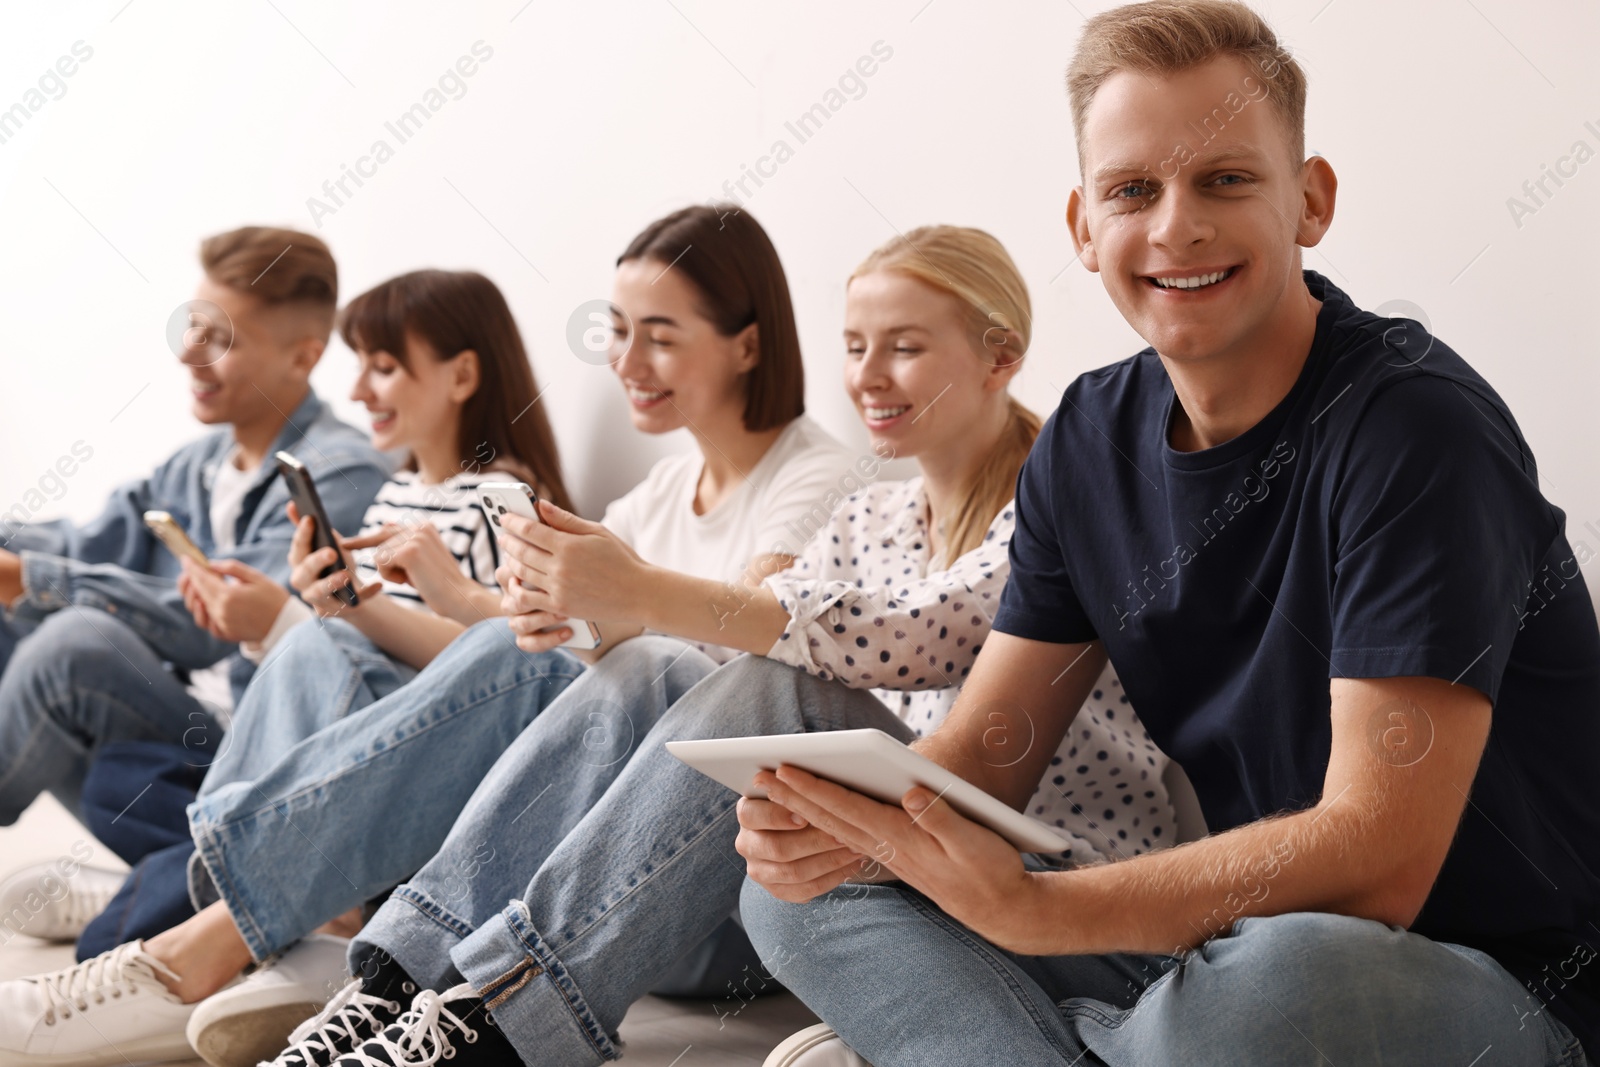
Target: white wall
x=591, y=119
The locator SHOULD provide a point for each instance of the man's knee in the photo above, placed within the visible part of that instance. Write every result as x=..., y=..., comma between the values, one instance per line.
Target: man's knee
x=761, y=675
x=757, y=672
x=64, y=644
x=490, y=637
x=775, y=927
x=1339, y=970
x=762, y=914
x=794, y=940
x=486, y=652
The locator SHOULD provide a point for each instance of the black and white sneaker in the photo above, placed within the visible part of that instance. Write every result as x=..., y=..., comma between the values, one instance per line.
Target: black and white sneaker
x=357, y=1013
x=439, y=1026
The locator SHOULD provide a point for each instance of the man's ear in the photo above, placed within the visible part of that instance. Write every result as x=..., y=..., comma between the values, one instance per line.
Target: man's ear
x=748, y=341
x=1319, y=189
x=465, y=375
x=307, y=352
x=1078, y=226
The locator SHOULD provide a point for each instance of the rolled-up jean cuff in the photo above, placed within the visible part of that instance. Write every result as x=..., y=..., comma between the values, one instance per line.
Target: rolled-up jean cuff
x=533, y=998
x=418, y=933
x=214, y=879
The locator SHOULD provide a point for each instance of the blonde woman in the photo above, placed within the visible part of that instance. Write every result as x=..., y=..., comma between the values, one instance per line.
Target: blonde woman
x=619, y=861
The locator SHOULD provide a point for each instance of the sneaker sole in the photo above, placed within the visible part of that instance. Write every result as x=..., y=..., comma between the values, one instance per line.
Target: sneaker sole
x=811, y=1046
x=253, y=1037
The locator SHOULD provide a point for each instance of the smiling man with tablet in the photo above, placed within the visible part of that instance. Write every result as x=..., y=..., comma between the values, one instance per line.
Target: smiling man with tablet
x=1390, y=879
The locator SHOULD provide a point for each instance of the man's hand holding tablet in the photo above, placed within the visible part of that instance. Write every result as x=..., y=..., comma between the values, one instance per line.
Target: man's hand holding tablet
x=976, y=875
x=802, y=834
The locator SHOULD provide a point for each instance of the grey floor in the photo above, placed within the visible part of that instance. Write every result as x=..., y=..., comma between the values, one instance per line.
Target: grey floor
x=656, y=1033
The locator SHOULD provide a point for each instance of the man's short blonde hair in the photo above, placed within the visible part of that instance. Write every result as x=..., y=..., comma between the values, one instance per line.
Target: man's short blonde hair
x=279, y=267
x=1165, y=37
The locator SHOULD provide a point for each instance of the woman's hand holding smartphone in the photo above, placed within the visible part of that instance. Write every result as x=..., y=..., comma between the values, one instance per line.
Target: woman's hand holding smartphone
x=309, y=567
x=525, y=569
x=308, y=504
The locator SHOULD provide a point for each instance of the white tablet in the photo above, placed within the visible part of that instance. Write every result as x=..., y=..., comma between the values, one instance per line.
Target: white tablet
x=868, y=761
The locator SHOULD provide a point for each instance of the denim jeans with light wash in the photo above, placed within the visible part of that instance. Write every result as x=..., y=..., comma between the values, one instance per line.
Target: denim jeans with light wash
x=904, y=984
x=320, y=672
x=616, y=858
x=355, y=808
x=82, y=678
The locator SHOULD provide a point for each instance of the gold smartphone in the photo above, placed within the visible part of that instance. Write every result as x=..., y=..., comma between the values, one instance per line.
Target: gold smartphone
x=167, y=530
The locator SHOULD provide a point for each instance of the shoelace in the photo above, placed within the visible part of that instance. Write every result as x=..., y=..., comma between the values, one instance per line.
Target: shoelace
x=109, y=972
x=421, y=1037
x=349, y=1010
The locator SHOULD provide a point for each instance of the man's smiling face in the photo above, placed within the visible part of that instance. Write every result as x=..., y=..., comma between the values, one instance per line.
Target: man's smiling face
x=1194, y=229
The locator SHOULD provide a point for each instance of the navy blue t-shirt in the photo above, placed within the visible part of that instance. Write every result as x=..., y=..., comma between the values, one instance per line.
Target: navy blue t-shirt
x=1383, y=520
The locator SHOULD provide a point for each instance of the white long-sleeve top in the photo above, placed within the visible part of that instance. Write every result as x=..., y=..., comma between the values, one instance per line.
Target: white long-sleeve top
x=866, y=610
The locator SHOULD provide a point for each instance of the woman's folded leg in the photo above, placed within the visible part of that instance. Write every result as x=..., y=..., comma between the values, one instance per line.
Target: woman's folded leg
x=355, y=808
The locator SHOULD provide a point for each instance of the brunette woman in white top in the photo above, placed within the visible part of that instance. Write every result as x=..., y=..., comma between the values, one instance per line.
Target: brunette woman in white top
x=619, y=864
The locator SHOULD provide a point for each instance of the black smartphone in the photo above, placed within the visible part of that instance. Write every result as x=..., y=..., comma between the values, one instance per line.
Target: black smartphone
x=303, y=491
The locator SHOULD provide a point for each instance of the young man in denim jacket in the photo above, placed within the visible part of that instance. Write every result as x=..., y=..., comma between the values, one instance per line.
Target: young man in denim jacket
x=97, y=643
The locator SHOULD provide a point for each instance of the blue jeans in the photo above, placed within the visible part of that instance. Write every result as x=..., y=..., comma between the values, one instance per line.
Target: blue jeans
x=8, y=640
x=319, y=673
x=322, y=671
x=345, y=814
x=84, y=677
x=903, y=983
x=616, y=858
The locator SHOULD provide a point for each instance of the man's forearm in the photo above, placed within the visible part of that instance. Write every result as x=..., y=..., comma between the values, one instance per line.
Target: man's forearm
x=1330, y=859
x=152, y=605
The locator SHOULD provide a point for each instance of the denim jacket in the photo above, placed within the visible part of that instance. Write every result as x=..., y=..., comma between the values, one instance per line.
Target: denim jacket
x=115, y=564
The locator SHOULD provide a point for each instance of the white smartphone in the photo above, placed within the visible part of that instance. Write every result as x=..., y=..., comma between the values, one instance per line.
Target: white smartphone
x=870, y=762
x=518, y=498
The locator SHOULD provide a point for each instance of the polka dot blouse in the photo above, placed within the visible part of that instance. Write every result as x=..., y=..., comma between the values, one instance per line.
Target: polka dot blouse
x=865, y=610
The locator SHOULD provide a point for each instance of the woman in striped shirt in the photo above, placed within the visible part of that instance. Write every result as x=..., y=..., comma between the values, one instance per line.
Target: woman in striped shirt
x=445, y=378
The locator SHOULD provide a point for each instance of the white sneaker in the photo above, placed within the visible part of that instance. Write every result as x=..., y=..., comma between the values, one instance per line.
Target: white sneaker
x=252, y=1021
x=815, y=1046
x=40, y=902
x=108, y=1010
